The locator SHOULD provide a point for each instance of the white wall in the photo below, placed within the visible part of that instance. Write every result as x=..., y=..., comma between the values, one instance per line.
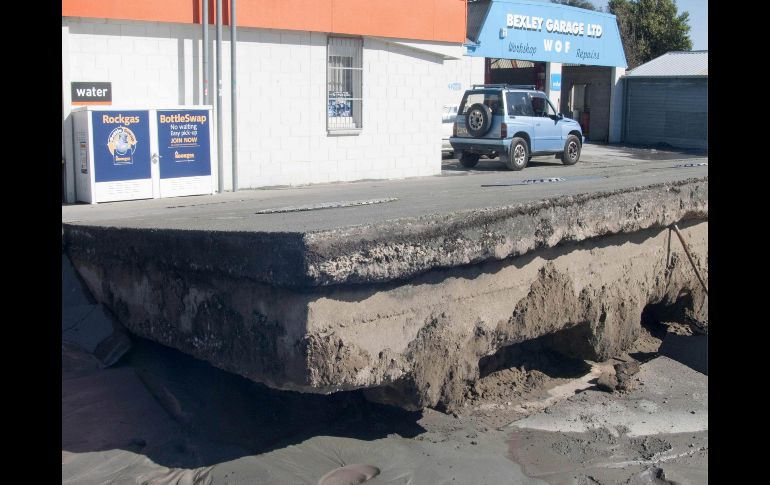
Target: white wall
x=282, y=132
x=616, y=105
x=466, y=72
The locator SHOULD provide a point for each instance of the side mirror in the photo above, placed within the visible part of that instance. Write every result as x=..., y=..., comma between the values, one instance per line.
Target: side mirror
x=561, y=116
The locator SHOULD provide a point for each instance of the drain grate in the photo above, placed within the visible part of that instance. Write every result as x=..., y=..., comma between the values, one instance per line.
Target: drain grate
x=690, y=165
x=325, y=205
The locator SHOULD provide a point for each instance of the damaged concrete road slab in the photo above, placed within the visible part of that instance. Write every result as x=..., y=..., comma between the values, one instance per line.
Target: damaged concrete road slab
x=404, y=306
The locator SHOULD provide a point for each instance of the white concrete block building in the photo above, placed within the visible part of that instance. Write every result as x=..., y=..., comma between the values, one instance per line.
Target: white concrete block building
x=360, y=100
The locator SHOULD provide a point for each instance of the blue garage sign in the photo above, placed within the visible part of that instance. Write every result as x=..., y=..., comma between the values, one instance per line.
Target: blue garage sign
x=183, y=143
x=547, y=32
x=556, y=82
x=121, y=145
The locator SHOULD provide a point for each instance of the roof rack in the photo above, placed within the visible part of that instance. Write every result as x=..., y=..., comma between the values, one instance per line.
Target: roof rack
x=506, y=86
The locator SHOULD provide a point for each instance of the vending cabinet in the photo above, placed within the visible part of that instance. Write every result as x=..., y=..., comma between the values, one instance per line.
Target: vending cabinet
x=128, y=154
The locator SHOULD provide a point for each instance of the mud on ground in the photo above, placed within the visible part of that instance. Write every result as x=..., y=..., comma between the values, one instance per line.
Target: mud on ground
x=533, y=417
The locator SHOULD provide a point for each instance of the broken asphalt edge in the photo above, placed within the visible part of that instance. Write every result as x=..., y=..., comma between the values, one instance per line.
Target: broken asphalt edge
x=397, y=249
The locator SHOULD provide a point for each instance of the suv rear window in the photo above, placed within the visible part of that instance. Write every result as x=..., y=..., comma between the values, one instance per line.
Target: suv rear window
x=519, y=104
x=493, y=99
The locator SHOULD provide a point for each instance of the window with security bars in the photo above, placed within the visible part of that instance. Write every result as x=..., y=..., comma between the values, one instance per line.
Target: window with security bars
x=344, y=83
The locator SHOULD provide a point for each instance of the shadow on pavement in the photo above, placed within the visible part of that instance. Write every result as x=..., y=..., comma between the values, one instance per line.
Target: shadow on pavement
x=486, y=165
x=690, y=350
x=183, y=413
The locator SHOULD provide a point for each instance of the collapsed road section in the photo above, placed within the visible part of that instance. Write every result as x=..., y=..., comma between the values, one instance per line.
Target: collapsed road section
x=406, y=308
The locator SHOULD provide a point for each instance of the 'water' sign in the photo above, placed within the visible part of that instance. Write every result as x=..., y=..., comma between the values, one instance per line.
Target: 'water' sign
x=91, y=93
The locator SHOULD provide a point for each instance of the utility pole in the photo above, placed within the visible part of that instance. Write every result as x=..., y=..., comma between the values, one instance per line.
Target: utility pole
x=220, y=160
x=205, y=25
x=233, y=94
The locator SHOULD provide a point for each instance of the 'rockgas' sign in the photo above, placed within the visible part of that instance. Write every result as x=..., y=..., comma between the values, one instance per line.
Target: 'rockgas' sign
x=549, y=33
x=121, y=145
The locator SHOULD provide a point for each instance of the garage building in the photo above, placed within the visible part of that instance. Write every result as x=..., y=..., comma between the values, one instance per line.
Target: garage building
x=574, y=55
x=667, y=101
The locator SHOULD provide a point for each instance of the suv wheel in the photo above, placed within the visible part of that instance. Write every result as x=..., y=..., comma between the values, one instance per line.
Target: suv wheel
x=518, y=155
x=478, y=119
x=571, y=153
x=469, y=160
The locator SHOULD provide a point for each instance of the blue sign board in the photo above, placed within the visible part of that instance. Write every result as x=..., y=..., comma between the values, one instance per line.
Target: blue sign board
x=548, y=32
x=183, y=142
x=556, y=82
x=121, y=145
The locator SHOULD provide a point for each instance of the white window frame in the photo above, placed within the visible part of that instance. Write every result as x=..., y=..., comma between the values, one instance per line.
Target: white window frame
x=339, y=46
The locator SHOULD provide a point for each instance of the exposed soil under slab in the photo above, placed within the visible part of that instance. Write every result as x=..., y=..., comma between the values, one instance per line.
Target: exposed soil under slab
x=587, y=297
x=420, y=341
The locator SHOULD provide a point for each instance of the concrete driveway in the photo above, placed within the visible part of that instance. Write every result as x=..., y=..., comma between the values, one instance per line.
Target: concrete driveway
x=594, y=155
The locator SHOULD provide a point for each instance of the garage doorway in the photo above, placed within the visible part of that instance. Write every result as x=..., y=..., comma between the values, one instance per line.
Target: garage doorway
x=578, y=106
x=585, y=95
x=512, y=71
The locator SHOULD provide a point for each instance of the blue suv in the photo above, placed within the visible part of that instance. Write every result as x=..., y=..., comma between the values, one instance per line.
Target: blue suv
x=514, y=122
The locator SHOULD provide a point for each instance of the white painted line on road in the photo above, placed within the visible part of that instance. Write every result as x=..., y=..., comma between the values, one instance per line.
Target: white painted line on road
x=325, y=205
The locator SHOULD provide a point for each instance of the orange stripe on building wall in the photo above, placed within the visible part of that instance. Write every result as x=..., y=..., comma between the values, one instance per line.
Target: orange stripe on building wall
x=446, y=16
x=437, y=20
x=313, y=16
x=408, y=19
x=180, y=11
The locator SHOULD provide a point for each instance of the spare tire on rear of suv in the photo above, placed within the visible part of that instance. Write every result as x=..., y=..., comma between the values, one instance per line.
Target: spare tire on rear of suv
x=478, y=120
